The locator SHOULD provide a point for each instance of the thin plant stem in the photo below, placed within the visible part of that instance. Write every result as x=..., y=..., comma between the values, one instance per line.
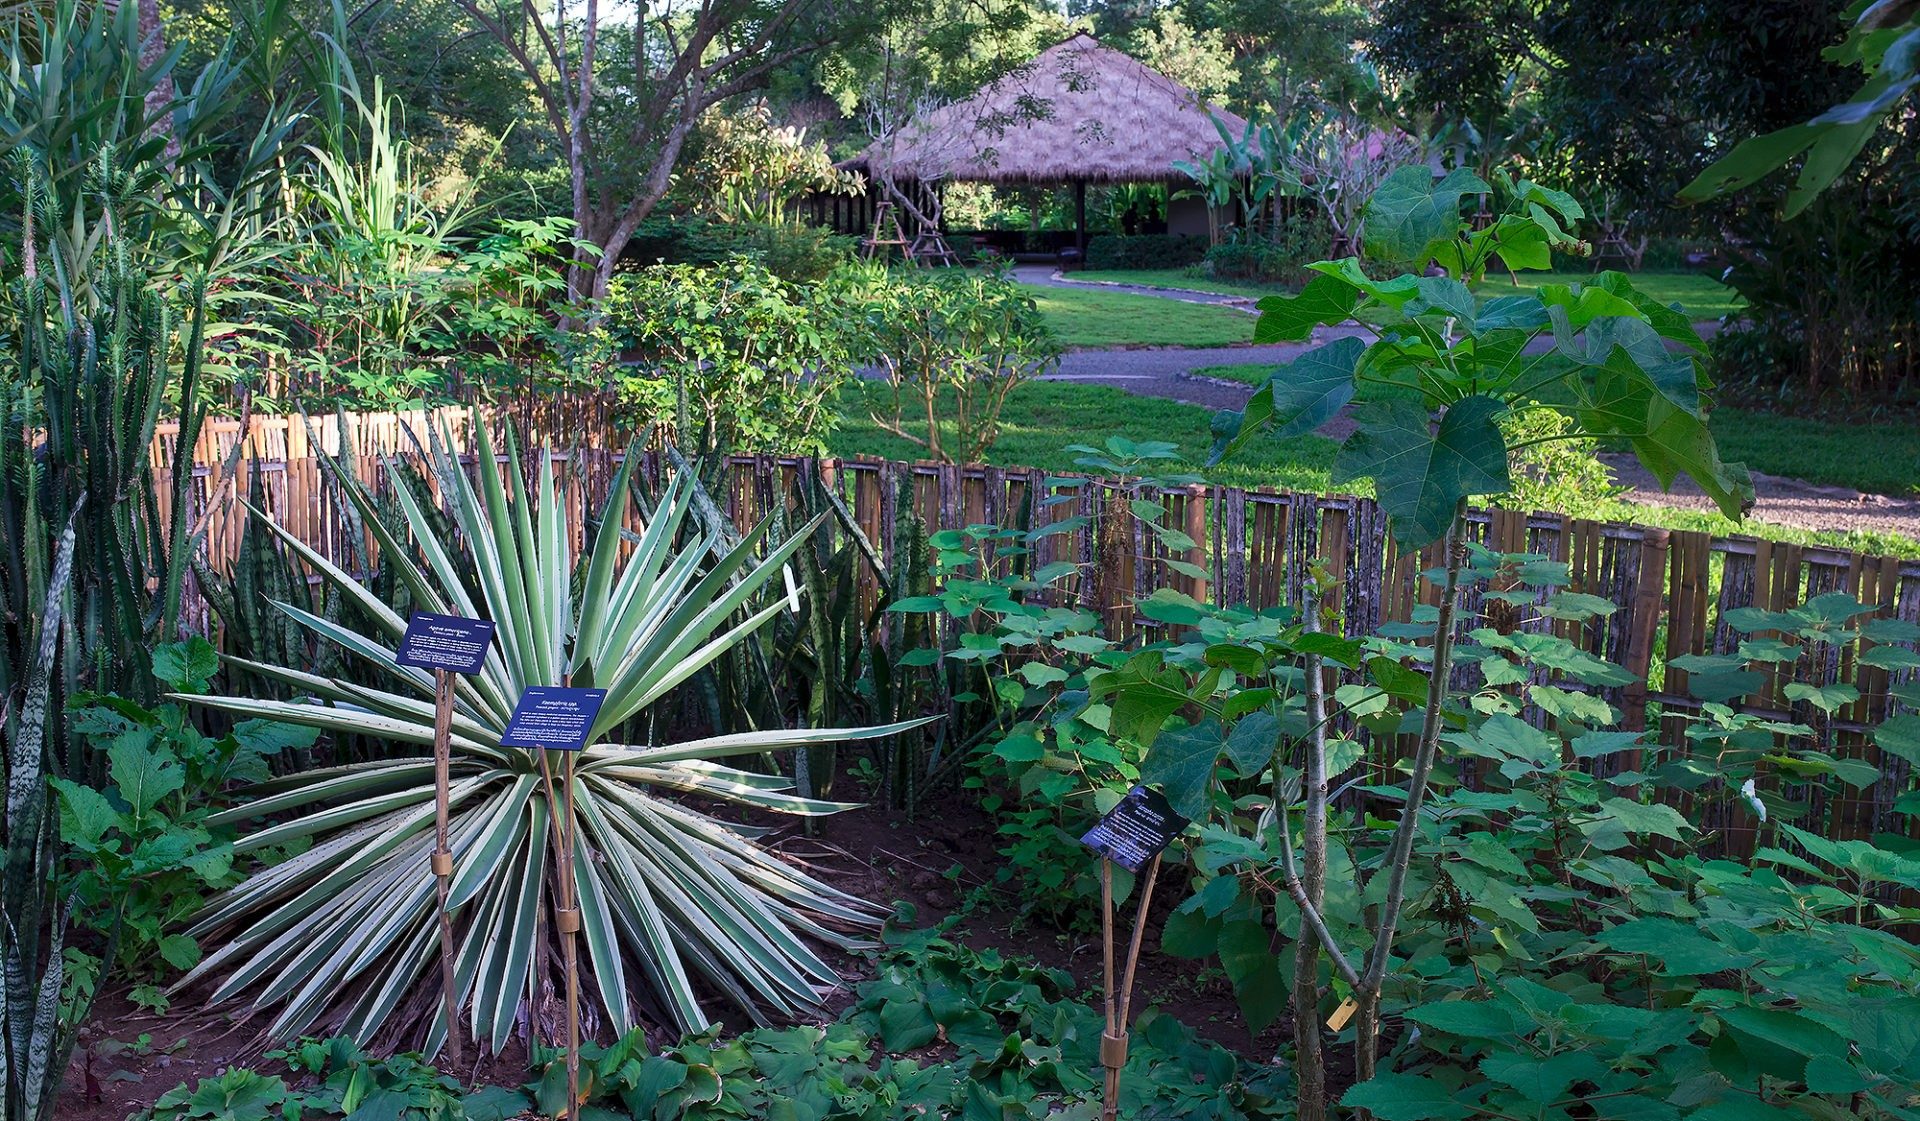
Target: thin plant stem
x=1400, y=853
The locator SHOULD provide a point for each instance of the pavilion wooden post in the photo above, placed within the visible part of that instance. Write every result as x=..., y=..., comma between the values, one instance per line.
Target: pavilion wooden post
x=1080, y=219
x=442, y=861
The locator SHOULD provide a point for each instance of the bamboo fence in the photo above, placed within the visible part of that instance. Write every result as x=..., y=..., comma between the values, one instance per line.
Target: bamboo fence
x=1256, y=546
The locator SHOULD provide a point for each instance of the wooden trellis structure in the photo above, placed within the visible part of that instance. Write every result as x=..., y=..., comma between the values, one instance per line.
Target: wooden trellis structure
x=1256, y=547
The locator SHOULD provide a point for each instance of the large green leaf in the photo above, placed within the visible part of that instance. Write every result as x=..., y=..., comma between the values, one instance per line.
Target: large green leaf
x=1749, y=161
x=1301, y=396
x=1407, y=1097
x=1326, y=299
x=1181, y=764
x=1420, y=474
x=1623, y=400
x=1410, y=214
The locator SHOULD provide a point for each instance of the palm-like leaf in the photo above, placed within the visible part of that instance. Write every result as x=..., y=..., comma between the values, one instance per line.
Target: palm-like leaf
x=672, y=900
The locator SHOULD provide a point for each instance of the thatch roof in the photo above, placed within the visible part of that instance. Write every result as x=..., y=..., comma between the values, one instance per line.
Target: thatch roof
x=1079, y=110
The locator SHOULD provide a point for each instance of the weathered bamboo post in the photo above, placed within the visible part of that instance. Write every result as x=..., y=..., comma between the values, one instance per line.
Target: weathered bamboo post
x=447, y=645
x=1133, y=835
x=442, y=862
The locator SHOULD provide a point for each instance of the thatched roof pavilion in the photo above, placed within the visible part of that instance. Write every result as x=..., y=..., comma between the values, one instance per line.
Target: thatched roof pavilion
x=1079, y=113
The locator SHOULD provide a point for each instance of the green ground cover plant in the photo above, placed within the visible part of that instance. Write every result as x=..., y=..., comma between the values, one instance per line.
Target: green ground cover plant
x=1552, y=958
x=940, y=1031
x=1573, y=945
x=1092, y=318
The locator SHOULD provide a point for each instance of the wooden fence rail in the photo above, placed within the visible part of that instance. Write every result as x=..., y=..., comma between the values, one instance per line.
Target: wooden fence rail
x=1254, y=546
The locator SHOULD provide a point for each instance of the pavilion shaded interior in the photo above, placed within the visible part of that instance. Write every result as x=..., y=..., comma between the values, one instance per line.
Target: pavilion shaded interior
x=1080, y=113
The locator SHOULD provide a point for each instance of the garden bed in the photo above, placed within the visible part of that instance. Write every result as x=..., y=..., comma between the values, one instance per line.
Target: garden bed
x=939, y=865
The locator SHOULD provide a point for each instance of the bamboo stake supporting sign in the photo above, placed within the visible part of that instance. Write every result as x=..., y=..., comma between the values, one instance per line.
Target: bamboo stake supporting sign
x=549, y=719
x=1133, y=835
x=447, y=645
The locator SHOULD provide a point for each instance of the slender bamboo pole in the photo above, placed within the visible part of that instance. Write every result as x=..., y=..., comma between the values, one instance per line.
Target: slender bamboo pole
x=566, y=915
x=442, y=862
x=1119, y=1002
x=1111, y=1095
x=569, y=929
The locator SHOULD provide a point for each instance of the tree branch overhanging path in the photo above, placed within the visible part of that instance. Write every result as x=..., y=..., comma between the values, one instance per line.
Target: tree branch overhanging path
x=621, y=150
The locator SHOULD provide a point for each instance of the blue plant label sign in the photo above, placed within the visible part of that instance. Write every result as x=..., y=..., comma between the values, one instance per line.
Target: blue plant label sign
x=553, y=718
x=1136, y=830
x=449, y=642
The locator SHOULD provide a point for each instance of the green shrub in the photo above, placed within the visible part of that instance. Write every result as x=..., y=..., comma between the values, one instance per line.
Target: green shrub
x=1280, y=259
x=728, y=357
x=335, y=1078
x=941, y=1031
x=1145, y=251
x=953, y=344
x=792, y=252
x=1551, y=467
x=144, y=853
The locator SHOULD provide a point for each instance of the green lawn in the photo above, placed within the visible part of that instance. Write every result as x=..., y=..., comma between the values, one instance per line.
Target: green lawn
x=1188, y=278
x=1701, y=296
x=1876, y=458
x=1092, y=318
x=1042, y=418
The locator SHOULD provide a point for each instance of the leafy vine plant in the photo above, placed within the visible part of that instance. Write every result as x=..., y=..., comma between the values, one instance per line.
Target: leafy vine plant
x=1429, y=370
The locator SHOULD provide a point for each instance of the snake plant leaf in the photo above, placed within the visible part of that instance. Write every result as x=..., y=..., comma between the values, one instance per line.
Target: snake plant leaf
x=678, y=906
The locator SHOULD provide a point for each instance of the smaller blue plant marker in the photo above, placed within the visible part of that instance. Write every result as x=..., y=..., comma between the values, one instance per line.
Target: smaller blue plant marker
x=452, y=643
x=1133, y=834
x=1135, y=830
x=445, y=644
x=553, y=718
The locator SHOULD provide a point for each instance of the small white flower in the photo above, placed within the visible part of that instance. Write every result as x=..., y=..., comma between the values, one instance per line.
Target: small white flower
x=1753, y=799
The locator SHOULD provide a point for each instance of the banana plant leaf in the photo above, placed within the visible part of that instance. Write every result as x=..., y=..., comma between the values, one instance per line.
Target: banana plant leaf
x=679, y=906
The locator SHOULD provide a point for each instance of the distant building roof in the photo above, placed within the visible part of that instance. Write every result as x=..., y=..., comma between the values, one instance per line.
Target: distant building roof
x=1079, y=110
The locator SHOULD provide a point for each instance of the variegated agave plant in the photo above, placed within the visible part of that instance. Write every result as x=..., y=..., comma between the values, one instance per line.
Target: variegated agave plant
x=672, y=900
